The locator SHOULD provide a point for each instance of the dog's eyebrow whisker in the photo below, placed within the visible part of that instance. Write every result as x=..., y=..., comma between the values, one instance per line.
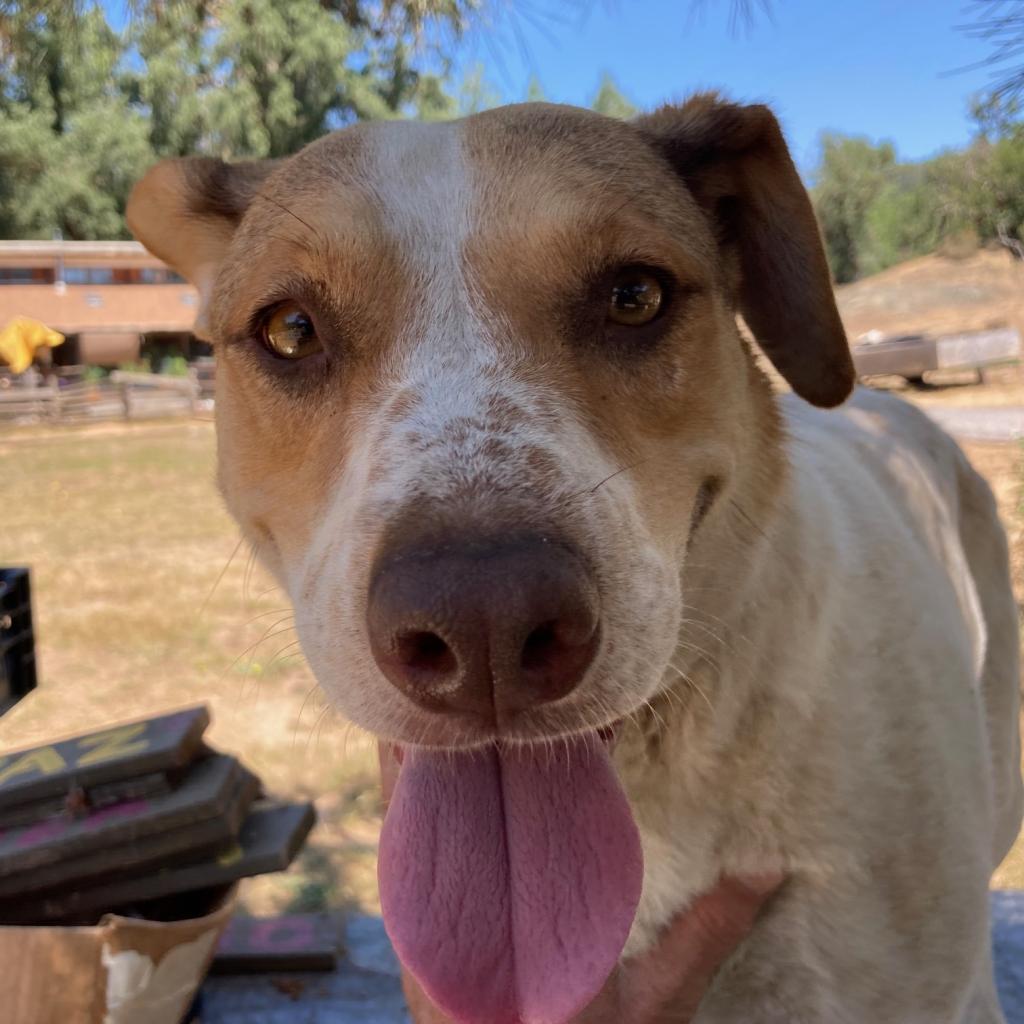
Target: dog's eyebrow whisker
x=282, y=238
x=618, y=209
x=752, y=523
x=611, y=476
x=291, y=213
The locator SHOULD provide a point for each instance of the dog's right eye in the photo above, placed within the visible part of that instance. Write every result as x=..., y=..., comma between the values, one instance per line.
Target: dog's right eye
x=288, y=333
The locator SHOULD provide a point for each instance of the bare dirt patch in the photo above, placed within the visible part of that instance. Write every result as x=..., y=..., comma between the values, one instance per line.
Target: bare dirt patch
x=937, y=294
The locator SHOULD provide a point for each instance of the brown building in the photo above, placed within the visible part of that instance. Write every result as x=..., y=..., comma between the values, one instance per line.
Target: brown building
x=113, y=300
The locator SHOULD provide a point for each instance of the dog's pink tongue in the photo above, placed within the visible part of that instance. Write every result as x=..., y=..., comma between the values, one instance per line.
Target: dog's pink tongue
x=509, y=880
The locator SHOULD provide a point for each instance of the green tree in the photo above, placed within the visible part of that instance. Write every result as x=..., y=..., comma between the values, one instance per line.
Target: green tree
x=476, y=93
x=535, y=91
x=851, y=175
x=71, y=144
x=875, y=212
x=85, y=108
x=609, y=100
x=171, y=74
x=906, y=219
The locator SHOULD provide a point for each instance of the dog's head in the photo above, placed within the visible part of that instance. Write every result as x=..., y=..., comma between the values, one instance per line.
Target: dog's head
x=479, y=383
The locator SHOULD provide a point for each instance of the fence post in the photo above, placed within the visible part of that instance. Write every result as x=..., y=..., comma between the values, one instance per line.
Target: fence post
x=55, y=401
x=193, y=391
x=126, y=398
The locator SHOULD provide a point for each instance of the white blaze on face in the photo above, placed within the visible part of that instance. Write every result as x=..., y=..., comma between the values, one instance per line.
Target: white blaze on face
x=459, y=424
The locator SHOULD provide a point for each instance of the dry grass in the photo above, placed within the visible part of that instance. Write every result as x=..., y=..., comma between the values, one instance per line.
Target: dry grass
x=127, y=540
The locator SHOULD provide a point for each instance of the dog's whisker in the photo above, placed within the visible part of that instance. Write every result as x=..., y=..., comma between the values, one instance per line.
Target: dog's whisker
x=286, y=612
x=220, y=576
x=315, y=688
x=285, y=654
x=251, y=649
x=693, y=684
x=250, y=565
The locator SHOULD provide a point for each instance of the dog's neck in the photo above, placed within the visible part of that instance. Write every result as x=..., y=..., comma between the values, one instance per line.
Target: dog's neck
x=735, y=544
x=733, y=551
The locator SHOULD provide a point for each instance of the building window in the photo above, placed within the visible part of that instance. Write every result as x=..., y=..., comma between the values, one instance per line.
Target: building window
x=26, y=275
x=89, y=275
x=159, y=275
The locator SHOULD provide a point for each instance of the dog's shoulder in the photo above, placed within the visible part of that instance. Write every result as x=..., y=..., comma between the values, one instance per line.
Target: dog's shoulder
x=882, y=437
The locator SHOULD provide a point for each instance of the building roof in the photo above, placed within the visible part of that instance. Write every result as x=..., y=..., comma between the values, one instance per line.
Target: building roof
x=33, y=253
x=75, y=308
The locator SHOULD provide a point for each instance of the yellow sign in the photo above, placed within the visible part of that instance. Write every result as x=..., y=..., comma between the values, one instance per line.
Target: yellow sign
x=116, y=742
x=22, y=338
x=46, y=761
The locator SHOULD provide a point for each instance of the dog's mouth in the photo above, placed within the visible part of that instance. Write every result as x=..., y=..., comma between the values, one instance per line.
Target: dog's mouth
x=510, y=875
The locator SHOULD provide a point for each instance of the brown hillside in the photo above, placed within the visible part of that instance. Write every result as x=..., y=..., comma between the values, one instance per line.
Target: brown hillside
x=937, y=294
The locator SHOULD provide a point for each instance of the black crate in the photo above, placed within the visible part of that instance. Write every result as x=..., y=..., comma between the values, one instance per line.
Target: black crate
x=17, y=640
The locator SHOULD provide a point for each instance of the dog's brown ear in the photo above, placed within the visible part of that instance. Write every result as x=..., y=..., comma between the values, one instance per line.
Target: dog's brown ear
x=735, y=162
x=185, y=212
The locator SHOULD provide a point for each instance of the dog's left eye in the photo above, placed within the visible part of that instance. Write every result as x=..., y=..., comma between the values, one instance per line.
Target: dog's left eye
x=636, y=298
x=289, y=333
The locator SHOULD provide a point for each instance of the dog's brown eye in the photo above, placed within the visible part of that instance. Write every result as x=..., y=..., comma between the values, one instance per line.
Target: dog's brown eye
x=290, y=334
x=636, y=298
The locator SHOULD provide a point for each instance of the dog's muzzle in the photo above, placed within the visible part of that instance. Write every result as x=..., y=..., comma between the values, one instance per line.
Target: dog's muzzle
x=481, y=626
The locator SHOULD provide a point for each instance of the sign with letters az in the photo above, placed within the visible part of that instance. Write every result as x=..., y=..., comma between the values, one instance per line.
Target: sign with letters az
x=124, y=762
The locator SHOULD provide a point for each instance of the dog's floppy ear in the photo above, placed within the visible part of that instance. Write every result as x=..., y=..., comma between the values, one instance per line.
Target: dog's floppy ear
x=185, y=212
x=735, y=162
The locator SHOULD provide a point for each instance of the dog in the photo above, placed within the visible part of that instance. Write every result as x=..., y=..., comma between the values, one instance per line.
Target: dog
x=633, y=619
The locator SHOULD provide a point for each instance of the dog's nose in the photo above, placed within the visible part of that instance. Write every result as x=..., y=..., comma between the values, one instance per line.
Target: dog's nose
x=486, y=627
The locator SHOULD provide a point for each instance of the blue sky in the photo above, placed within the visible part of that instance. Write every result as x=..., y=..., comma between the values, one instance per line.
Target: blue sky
x=867, y=67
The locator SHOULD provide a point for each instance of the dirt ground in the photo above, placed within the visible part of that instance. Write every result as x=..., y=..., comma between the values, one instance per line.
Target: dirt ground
x=937, y=294
x=145, y=600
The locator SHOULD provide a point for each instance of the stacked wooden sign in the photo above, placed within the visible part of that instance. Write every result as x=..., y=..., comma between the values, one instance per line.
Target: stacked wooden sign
x=17, y=643
x=142, y=819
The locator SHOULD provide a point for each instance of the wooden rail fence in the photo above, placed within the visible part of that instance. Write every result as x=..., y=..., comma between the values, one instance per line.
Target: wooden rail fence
x=123, y=395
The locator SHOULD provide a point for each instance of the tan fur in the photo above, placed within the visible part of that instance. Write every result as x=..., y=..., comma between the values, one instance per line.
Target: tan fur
x=818, y=674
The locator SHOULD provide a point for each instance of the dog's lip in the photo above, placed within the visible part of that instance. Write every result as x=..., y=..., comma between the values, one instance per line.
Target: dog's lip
x=608, y=734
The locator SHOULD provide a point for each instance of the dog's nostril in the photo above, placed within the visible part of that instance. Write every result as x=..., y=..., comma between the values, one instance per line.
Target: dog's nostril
x=539, y=647
x=426, y=652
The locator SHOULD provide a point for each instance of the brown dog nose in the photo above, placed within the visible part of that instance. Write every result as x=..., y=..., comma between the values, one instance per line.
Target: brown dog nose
x=484, y=626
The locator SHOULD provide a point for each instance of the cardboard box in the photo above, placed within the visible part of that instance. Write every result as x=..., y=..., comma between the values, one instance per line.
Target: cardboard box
x=121, y=971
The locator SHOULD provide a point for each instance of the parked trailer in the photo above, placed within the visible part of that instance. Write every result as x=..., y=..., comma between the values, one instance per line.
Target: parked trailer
x=913, y=355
